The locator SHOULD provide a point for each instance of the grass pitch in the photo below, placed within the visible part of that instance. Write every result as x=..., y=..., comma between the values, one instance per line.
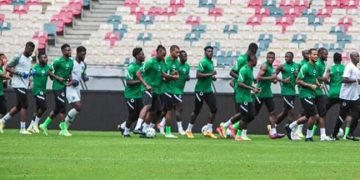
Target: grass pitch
x=107, y=155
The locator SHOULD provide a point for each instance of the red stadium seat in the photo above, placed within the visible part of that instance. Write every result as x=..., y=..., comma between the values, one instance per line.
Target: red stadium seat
x=169, y=11
x=323, y=13
x=216, y=12
x=138, y=11
x=177, y=3
x=154, y=11
x=284, y=22
x=292, y=12
x=193, y=20
x=131, y=3
x=2, y=18
x=349, y=4
x=32, y=2
x=345, y=22
x=301, y=4
x=5, y=2
x=285, y=4
x=255, y=3
x=332, y=4
x=262, y=12
x=112, y=37
x=254, y=21
x=20, y=9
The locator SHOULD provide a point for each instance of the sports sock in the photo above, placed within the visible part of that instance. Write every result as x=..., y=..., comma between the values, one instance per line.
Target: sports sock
x=122, y=125
x=163, y=121
x=273, y=131
x=190, y=126
x=37, y=120
x=338, y=124
x=47, y=121
x=227, y=123
x=238, y=133
x=244, y=133
x=210, y=127
x=126, y=131
x=63, y=126
x=138, y=124
x=70, y=117
x=167, y=130
x=300, y=127
x=22, y=125
x=308, y=133
x=152, y=125
x=322, y=132
x=314, y=129
x=347, y=130
x=293, y=125
x=145, y=127
x=179, y=124
x=236, y=125
x=6, y=118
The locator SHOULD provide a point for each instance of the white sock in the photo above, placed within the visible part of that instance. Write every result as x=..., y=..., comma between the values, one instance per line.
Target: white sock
x=126, y=131
x=163, y=121
x=244, y=133
x=210, y=127
x=273, y=131
x=22, y=125
x=145, y=127
x=152, y=125
x=322, y=132
x=227, y=123
x=122, y=125
x=190, y=126
x=300, y=127
x=138, y=124
x=37, y=120
x=293, y=125
x=32, y=123
x=6, y=118
x=179, y=124
x=309, y=133
x=70, y=117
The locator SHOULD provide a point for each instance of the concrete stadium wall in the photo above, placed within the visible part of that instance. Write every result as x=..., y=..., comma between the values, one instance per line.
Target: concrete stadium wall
x=104, y=110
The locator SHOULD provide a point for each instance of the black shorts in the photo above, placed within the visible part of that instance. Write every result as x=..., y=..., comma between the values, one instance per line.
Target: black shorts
x=3, y=109
x=247, y=111
x=60, y=101
x=331, y=102
x=309, y=107
x=237, y=105
x=169, y=101
x=134, y=107
x=209, y=98
x=349, y=108
x=289, y=102
x=320, y=102
x=21, y=98
x=269, y=103
x=152, y=99
x=40, y=101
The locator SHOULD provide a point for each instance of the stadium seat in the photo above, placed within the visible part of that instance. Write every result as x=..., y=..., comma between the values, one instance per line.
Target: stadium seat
x=169, y=11
x=207, y=3
x=20, y=9
x=337, y=30
x=5, y=2
x=18, y=2
x=230, y=29
x=349, y=4
x=254, y=21
x=286, y=4
x=262, y=12
x=291, y=12
x=332, y=4
x=315, y=21
x=343, y=38
x=2, y=18
x=143, y=37
x=345, y=22
x=284, y=22
x=137, y=11
x=154, y=11
x=147, y=20
x=215, y=45
x=192, y=37
x=177, y=3
x=122, y=28
x=276, y=12
x=298, y=39
x=114, y=19
x=336, y=47
x=321, y=45
x=50, y=29
x=309, y=13
x=269, y=3
x=323, y=13
x=112, y=37
x=193, y=20
x=198, y=29
x=131, y=3
x=255, y=3
x=4, y=26
x=216, y=12
x=265, y=38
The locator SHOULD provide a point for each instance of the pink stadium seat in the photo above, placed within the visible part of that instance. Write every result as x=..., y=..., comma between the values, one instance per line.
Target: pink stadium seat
x=262, y=12
x=131, y=3
x=254, y=21
x=345, y=22
x=177, y=3
x=75, y=8
x=292, y=12
x=21, y=9
x=332, y=4
x=138, y=11
x=169, y=11
x=301, y=4
x=255, y=3
x=2, y=18
x=349, y=4
x=32, y=2
x=216, y=12
x=323, y=13
x=154, y=11
x=284, y=4
x=5, y=2
x=284, y=22
x=66, y=16
x=193, y=20
x=112, y=37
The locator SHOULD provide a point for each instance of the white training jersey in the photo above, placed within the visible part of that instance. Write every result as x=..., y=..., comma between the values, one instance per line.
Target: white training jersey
x=78, y=70
x=21, y=64
x=350, y=91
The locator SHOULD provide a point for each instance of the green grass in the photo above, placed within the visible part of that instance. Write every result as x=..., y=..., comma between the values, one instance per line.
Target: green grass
x=106, y=155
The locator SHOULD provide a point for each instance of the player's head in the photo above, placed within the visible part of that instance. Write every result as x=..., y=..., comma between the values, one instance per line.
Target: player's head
x=323, y=54
x=252, y=60
x=160, y=52
x=138, y=54
x=289, y=57
x=174, y=51
x=183, y=56
x=66, y=50
x=43, y=59
x=29, y=49
x=3, y=59
x=337, y=58
x=80, y=53
x=208, y=51
x=305, y=54
x=354, y=56
x=253, y=47
x=313, y=55
x=270, y=57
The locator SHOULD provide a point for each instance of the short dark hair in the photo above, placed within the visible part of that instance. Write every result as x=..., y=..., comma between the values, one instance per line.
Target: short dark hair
x=30, y=44
x=40, y=54
x=2, y=54
x=64, y=46
x=173, y=47
x=182, y=51
x=208, y=47
x=337, y=57
x=311, y=49
x=160, y=47
x=136, y=51
x=321, y=49
x=271, y=52
x=253, y=47
x=80, y=49
x=289, y=52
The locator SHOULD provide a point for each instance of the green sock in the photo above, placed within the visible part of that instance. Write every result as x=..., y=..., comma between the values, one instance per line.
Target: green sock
x=347, y=130
x=314, y=129
x=238, y=133
x=236, y=125
x=167, y=130
x=47, y=121
x=63, y=126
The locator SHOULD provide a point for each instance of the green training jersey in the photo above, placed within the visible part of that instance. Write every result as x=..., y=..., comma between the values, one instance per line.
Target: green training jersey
x=245, y=76
x=2, y=82
x=320, y=65
x=308, y=74
x=288, y=71
x=265, y=85
x=62, y=67
x=240, y=62
x=336, y=77
x=184, y=73
x=164, y=83
x=204, y=84
x=40, y=79
x=151, y=71
x=302, y=62
x=172, y=66
x=133, y=91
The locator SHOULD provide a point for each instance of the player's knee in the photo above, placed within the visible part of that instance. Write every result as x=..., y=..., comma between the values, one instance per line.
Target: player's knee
x=43, y=109
x=213, y=110
x=249, y=118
